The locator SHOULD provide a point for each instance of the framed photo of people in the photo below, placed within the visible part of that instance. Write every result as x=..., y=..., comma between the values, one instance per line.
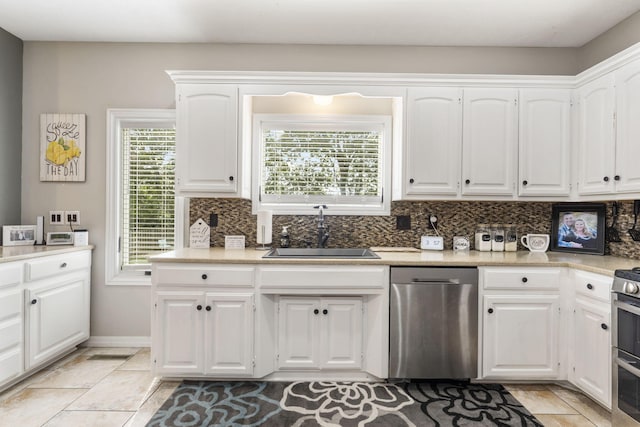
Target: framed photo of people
x=578, y=228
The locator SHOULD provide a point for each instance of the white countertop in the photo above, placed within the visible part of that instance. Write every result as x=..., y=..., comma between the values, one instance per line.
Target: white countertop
x=593, y=263
x=17, y=253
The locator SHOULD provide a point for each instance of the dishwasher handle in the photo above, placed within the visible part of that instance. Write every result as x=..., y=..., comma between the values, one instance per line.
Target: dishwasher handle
x=436, y=281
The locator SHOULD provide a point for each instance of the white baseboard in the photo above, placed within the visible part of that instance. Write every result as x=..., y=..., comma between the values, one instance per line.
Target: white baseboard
x=116, y=341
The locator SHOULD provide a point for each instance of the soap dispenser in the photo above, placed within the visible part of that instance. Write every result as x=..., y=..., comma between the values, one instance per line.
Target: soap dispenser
x=285, y=241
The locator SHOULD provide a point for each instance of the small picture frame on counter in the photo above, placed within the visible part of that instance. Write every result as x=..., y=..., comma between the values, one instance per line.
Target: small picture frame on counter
x=18, y=235
x=578, y=228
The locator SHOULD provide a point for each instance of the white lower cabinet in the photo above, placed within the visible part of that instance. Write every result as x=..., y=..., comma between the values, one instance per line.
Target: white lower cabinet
x=57, y=316
x=276, y=322
x=44, y=310
x=11, y=323
x=57, y=304
x=526, y=337
x=520, y=337
x=520, y=322
x=320, y=333
x=179, y=339
x=202, y=332
x=229, y=334
x=590, y=352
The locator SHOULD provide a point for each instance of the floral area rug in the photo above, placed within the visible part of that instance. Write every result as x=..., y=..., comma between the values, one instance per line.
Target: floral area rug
x=306, y=404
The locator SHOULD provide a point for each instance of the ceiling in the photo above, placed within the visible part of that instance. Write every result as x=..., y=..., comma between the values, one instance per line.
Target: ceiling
x=530, y=23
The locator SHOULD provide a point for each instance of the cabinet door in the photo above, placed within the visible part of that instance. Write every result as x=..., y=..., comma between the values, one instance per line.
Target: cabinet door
x=489, y=141
x=592, y=350
x=341, y=333
x=627, y=81
x=57, y=316
x=544, y=141
x=434, y=136
x=206, y=139
x=11, y=332
x=178, y=348
x=228, y=334
x=298, y=333
x=520, y=336
x=596, y=137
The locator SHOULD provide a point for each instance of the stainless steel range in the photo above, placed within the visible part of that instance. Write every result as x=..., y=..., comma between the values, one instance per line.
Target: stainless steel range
x=625, y=410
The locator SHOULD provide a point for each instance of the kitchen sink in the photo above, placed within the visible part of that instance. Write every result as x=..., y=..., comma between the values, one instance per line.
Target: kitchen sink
x=351, y=253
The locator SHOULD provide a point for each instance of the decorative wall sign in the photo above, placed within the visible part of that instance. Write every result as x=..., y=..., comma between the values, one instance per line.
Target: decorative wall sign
x=199, y=234
x=62, y=147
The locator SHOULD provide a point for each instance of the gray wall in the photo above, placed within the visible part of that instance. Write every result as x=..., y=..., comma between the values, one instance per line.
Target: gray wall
x=91, y=77
x=620, y=37
x=10, y=128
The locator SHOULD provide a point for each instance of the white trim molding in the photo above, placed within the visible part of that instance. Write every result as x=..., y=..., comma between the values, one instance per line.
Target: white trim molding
x=115, y=119
x=405, y=79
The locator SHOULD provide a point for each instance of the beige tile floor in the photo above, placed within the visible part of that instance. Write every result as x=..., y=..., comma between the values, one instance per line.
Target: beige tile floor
x=83, y=391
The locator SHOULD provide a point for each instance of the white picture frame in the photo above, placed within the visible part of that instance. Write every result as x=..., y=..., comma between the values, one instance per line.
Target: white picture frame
x=18, y=235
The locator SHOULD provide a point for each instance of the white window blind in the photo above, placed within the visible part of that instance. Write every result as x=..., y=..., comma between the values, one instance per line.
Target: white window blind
x=307, y=160
x=148, y=198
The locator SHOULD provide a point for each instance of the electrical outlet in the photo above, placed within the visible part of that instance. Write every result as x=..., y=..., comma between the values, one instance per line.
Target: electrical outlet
x=403, y=222
x=56, y=218
x=72, y=217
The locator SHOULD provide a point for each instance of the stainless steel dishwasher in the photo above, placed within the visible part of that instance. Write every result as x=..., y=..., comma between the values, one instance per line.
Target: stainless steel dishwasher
x=433, y=325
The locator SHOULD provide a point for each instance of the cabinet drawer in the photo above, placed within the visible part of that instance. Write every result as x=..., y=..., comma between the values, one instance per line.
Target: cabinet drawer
x=10, y=320
x=204, y=275
x=310, y=277
x=10, y=334
x=49, y=266
x=10, y=274
x=593, y=285
x=10, y=305
x=520, y=278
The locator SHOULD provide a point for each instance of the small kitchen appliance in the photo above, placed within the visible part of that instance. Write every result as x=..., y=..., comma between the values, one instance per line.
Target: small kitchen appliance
x=625, y=407
x=60, y=238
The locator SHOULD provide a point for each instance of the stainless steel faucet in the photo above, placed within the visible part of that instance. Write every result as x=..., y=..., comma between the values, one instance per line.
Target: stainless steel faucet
x=323, y=230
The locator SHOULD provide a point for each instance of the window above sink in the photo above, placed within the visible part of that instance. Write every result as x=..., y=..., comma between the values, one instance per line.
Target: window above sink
x=336, y=153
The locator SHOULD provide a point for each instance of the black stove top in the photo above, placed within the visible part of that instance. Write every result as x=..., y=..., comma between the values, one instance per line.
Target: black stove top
x=633, y=274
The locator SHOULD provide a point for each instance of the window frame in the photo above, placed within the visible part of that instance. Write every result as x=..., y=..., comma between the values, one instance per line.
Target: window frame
x=383, y=207
x=118, y=118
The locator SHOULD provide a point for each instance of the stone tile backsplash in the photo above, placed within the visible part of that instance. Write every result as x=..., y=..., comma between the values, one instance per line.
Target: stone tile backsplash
x=455, y=218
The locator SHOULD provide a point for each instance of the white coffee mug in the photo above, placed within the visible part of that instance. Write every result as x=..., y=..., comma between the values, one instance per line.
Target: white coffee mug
x=535, y=242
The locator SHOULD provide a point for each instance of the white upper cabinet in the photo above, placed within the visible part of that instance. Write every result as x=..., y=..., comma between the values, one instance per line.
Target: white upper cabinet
x=595, y=152
x=627, y=82
x=434, y=137
x=544, y=142
x=489, y=141
x=207, y=140
x=609, y=130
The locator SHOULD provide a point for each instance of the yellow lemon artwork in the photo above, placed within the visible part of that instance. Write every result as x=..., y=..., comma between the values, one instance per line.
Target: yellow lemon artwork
x=60, y=152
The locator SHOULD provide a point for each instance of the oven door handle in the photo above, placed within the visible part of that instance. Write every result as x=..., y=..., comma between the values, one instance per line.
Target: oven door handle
x=625, y=365
x=627, y=307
